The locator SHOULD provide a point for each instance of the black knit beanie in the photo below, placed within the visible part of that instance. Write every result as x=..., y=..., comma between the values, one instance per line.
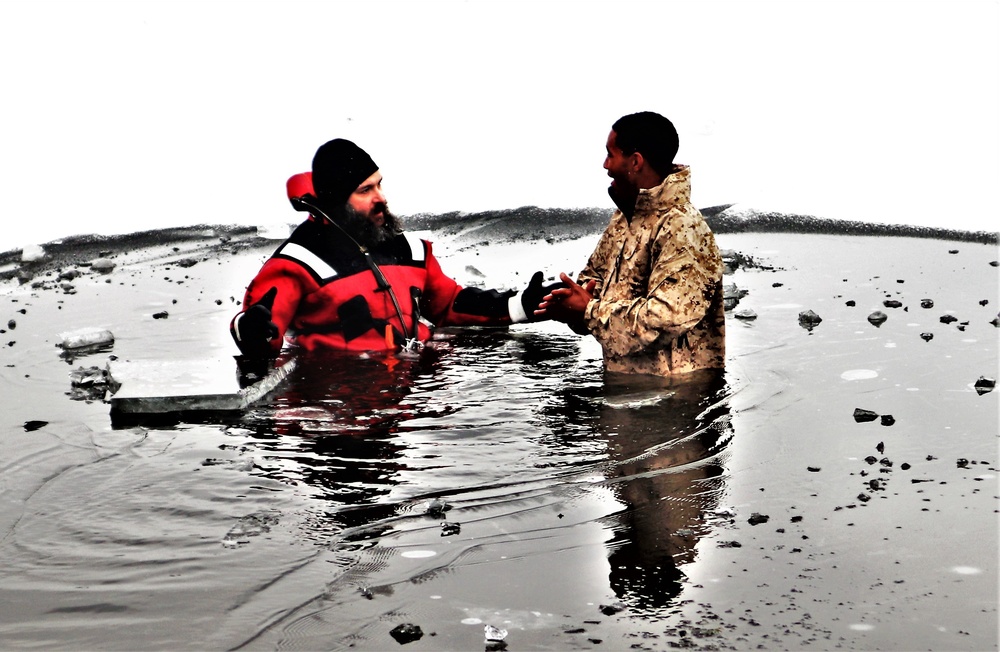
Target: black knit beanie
x=338, y=169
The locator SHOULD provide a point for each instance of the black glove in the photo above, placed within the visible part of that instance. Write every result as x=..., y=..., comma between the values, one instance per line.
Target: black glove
x=532, y=295
x=253, y=329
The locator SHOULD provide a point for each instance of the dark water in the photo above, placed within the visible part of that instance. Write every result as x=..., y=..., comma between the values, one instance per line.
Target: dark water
x=728, y=511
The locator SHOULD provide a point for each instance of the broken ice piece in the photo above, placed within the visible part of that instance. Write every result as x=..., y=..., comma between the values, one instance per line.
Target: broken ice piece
x=85, y=337
x=103, y=265
x=877, y=318
x=448, y=529
x=809, y=318
x=612, y=609
x=861, y=415
x=495, y=633
x=32, y=253
x=437, y=508
x=984, y=385
x=406, y=633
x=88, y=377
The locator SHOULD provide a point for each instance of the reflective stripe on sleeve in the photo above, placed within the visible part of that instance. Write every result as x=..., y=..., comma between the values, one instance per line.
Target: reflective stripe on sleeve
x=308, y=259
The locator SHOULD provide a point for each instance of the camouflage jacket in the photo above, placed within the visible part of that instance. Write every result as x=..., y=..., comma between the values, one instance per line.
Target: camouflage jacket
x=658, y=305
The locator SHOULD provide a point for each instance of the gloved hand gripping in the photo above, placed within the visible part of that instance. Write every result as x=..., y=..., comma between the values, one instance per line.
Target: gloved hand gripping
x=522, y=306
x=253, y=329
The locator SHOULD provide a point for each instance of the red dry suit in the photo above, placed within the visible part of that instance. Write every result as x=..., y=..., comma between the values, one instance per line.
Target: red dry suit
x=328, y=297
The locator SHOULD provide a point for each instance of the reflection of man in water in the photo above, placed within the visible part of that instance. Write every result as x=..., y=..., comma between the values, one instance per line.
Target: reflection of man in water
x=651, y=292
x=665, y=437
x=335, y=423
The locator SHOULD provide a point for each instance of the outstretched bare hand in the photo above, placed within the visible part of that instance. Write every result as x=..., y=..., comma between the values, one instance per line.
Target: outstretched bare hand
x=567, y=304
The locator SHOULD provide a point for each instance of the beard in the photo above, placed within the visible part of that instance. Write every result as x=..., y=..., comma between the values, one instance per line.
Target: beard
x=367, y=233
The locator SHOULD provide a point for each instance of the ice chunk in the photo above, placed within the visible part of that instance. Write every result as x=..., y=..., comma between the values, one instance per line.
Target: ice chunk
x=85, y=337
x=495, y=633
x=103, y=265
x=165, y=387
x=32, y=254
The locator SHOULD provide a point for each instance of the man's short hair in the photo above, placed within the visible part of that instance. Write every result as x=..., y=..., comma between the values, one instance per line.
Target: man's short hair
x=651, y=135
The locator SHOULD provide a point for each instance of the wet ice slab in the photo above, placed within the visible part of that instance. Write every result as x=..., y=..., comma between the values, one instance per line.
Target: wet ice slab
x=164, y=387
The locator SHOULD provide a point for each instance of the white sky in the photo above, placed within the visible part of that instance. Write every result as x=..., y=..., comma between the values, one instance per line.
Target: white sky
x=124, y=116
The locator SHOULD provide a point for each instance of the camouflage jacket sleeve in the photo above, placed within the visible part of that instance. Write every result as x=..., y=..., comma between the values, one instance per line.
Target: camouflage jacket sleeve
x=603, y=254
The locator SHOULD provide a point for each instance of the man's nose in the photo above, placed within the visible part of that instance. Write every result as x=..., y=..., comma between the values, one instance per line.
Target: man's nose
x=380, y=196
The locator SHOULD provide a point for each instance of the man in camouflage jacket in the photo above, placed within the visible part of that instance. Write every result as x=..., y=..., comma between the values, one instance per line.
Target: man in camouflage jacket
x=651, y=292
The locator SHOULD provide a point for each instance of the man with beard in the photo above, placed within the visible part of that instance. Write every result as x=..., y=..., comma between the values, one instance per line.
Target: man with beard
x=349, y=278
x=651, y=292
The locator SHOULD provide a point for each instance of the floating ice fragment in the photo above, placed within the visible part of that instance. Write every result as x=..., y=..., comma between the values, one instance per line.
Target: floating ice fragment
x=274, y=231
x=861, y=627
x=32, y=254
x=88, y=377
x=85, y=337
x=437, y=508
x=877, y=318
x=966, y=570
x=471, y=621
x=251, y=525
x=418, y=554
x=638, y=400
x=809, y=318
x=102, y=265
x=859, y=374
x=984, y=385
x=406, y=633
x=495, y=633
x=731, y=295
x=862, y=415
x=244, y=465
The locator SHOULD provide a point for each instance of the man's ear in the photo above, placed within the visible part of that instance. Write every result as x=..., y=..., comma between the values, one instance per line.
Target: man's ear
x=637, y=162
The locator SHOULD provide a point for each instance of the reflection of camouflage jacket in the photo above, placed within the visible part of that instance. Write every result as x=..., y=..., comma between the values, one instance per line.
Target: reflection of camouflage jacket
x=658, y=302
